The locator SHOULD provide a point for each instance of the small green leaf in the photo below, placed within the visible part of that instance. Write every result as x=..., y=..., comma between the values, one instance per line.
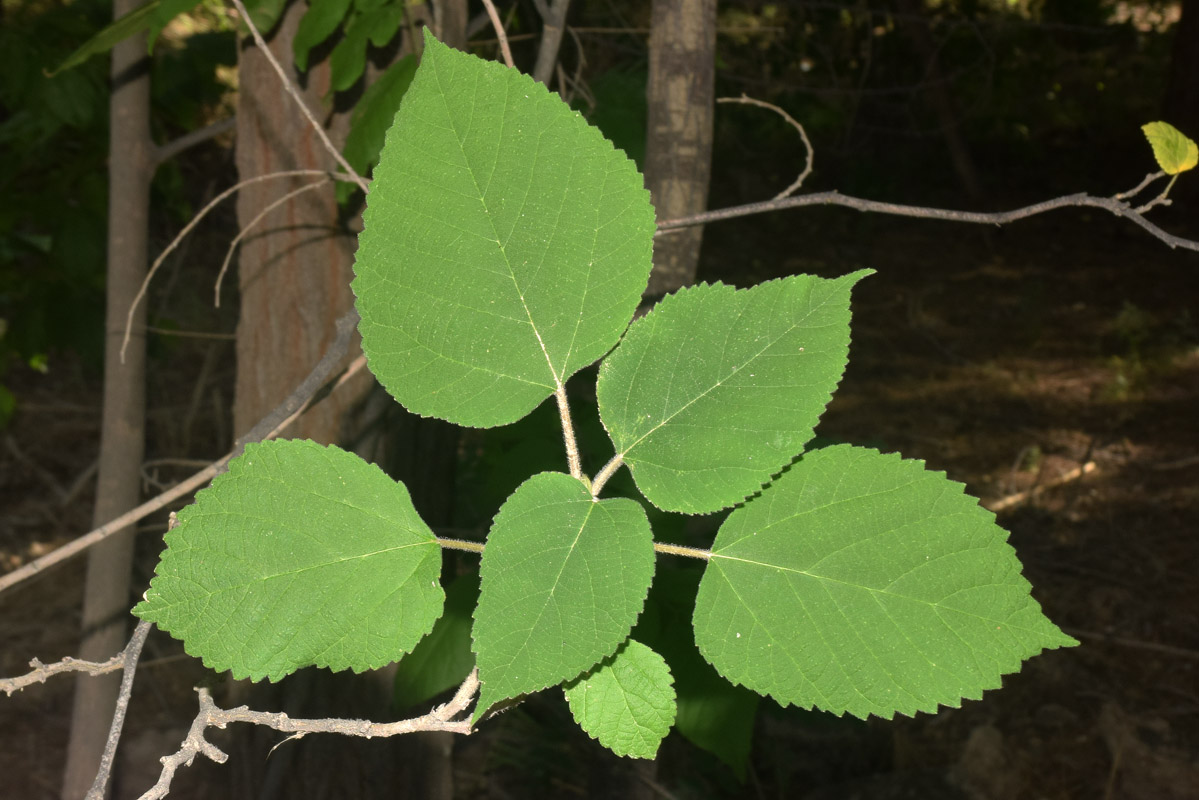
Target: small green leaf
x=348, y=59
x=626, y=702
x=136, y=21
x=716, y=389
x=1175, y=152
x=861, y=583
x=564, y=578
x=299, y=555
x=443, y=659
x=374, y=113
x=318, y=24
x=506, y=244
x=265, y=13
x=167, y=10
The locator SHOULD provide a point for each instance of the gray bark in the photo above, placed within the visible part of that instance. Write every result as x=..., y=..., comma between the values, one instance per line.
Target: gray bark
x=678, y=145
x=106, y=601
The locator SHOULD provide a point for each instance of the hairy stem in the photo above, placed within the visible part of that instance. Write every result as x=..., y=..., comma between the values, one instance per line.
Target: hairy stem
x=679, y=550
x=460, y=544
x=568, y=436
x=604, y=474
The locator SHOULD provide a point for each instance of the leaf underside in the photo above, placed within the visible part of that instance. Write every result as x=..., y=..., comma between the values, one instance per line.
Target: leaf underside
x=300, y=555
x=862, y=583
x=505, y=244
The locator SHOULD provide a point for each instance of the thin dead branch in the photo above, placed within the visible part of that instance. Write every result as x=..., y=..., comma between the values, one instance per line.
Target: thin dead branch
x=807, y=170
x=210, y=716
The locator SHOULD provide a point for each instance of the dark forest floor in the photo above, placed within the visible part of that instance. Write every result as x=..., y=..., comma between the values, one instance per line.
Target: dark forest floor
x=1052, y=366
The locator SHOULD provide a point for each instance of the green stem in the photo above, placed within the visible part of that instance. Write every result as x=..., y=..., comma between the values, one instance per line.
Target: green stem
x=602, y=476
x=460, y=544
x=679, y=550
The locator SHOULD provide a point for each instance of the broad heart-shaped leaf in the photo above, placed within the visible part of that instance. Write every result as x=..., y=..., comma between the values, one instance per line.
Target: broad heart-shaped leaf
x=626, y=702
x=563, y=580
x=862, y=583
x=505, y=244
x=300, y=555
x=1175, y=152
x=716, y=389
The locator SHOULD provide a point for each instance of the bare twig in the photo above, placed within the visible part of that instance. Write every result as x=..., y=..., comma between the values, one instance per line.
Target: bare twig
x=1150, y=178
x=176, y=146
x=1019, y=497
x=290, y=86
x=268, y=427
x=40, y=673
x=170, y=248
x=248, y=227
x=1080, y=200
x=807, y=170
x=129, y=657
x=191, y=334
x=210, y=716
x=499, y=31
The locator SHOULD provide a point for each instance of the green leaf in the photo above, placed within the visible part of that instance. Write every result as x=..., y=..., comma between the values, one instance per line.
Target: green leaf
x=167, y=10
x=712, y=713
x=348, y=59
x=318, y=24
x=374, y=114
x=265, y=13
x=861, y=583
x=506, y=244
x=299, y=555
x=563, y=580
x=626, y=701
x=136, y=21
x=716, y=389
x=443, y=659
x=1175, y=152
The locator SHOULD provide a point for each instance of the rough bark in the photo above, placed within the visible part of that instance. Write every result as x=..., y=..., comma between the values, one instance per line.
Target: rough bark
x=678, y=146
x=106, y=600
x=295, y=270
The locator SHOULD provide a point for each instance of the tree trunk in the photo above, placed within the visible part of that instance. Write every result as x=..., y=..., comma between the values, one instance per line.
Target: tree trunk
x=295, y=269
x=678, y=145
x=106, y=600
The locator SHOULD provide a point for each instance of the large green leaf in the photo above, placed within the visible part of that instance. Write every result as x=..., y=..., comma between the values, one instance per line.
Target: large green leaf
x=862, y=583
x=299, y=555
x=717, y=389
x=563, y=580
x=506, y=244
x=626, y=702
